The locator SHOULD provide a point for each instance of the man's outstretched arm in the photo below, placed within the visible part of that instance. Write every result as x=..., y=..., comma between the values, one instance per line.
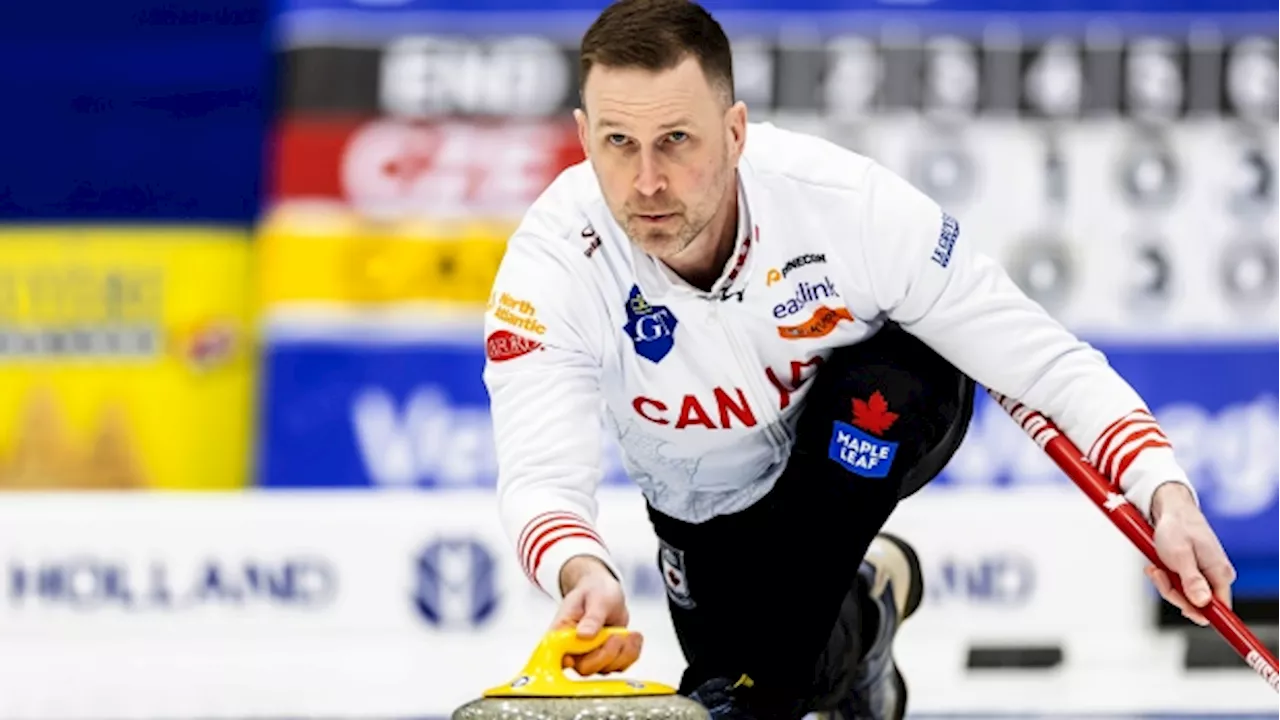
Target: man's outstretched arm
x=543, y=377
x=928, y=277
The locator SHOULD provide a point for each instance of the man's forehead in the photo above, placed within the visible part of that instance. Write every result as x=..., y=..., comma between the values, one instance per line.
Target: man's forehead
x=615, y=121
x=627, y=95
x=649, y=111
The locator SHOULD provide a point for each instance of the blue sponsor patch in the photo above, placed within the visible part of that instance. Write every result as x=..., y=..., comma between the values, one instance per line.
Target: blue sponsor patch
x=860, y=453
x=652, y=328
x=946, y=240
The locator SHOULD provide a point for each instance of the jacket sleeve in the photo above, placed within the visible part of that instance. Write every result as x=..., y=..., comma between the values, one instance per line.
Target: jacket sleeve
x=927, y=276
x=542, y=373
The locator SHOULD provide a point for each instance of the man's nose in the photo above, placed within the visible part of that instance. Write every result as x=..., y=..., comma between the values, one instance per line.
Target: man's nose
x=650, y=179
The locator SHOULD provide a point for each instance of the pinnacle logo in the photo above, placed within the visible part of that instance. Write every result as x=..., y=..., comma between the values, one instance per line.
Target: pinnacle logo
x=775, y=275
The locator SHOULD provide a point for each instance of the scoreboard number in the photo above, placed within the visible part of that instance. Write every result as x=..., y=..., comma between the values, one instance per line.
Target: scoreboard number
x=1251, y=79
x=1153, y=79
x=1053, y=80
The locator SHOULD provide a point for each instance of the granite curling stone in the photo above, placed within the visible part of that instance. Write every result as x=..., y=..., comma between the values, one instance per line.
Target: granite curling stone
x=543, y=692
x=667, y=707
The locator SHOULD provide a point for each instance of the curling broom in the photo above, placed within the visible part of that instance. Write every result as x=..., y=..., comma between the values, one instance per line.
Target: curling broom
x=1131, y=522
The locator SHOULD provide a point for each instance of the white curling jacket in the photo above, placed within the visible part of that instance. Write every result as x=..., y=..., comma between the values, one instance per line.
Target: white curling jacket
x=702, y=390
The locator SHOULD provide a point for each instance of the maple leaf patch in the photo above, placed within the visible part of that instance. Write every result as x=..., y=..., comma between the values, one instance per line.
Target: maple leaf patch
x=873, y=414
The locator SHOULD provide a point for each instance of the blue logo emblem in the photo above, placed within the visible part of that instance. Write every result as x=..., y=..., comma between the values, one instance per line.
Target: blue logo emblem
x=456, y=583
x=946, y=241
x=651, y=328
x=860, y=453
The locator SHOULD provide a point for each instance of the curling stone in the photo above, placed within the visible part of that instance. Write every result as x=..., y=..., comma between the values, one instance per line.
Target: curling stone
x=542, y=691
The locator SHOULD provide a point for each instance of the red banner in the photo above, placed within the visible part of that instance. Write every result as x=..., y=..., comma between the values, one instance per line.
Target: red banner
x=396, y=169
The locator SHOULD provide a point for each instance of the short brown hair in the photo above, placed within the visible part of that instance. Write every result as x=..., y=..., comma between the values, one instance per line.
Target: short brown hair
x=658, y=35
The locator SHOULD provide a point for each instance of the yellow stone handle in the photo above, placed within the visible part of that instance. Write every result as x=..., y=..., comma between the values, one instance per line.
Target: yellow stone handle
x=543, y=675
x=556, y=644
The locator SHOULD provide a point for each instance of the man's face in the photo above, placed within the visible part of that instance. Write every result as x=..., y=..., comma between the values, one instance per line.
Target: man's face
x=664, y=147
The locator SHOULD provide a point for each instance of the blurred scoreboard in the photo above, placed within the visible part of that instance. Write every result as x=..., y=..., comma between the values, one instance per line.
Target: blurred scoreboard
x=995, y=69
x=1118, y=156
x=1146, y=60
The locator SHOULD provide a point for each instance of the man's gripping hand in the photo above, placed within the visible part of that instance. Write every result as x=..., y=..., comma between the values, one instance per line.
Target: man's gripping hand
x=1189, y=548
x=593, y=600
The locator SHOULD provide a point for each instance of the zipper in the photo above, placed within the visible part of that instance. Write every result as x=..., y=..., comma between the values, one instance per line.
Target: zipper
x=773, y=429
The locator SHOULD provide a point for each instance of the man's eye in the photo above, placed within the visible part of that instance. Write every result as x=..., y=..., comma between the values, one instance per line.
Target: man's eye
x=678, y=136
x=616, y=140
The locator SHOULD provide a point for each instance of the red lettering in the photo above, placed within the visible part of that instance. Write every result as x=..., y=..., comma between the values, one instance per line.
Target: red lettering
x=783, y=392
x=740, y=410
x=640, y=402
x=691, y=413
x=798, y=379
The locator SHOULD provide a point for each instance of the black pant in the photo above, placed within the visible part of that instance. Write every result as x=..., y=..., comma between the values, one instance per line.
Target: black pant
x=772, y=591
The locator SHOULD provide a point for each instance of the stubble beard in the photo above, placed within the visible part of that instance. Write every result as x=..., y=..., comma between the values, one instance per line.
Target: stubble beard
x=663, y=243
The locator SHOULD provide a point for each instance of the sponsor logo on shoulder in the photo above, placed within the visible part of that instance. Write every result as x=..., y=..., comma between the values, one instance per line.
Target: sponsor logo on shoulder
x=503, y=345
x=516, y=313
x=946, y=241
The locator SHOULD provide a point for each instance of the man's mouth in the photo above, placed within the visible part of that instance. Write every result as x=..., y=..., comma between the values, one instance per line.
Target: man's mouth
x=654, y=217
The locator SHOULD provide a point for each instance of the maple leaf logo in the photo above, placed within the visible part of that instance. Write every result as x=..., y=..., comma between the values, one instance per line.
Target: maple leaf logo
x=873, y=414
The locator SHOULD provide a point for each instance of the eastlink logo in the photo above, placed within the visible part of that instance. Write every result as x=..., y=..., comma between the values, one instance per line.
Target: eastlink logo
x=774, y=275
x=805, y=294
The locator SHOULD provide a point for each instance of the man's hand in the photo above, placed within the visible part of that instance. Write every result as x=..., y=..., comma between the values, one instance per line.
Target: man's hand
x=593, y=600
x=1189, y=548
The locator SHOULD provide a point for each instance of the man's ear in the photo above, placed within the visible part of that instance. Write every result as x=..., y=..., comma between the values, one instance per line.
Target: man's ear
x=736, y=127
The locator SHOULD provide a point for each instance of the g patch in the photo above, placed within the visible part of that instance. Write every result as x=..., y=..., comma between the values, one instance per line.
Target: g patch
x=671, y=565
x=652, y=328
x=859, y=452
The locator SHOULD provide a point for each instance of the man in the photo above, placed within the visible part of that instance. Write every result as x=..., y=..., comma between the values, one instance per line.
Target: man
x=761, y=318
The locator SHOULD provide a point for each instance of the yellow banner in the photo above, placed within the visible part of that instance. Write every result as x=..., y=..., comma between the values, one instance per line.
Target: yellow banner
x=125, y=358
x=338, y=259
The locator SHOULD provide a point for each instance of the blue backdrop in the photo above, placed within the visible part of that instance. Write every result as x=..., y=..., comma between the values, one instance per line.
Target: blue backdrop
x=133, y=110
